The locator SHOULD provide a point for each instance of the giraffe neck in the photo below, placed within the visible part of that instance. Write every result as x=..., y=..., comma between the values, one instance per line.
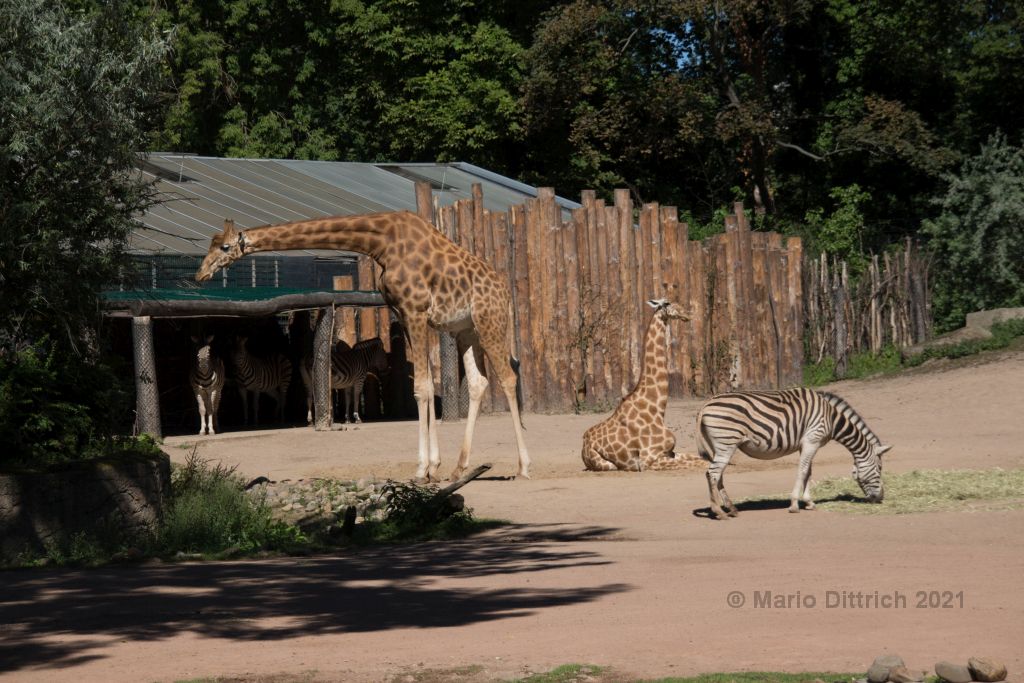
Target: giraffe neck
x=653, y=385
x=368, y=234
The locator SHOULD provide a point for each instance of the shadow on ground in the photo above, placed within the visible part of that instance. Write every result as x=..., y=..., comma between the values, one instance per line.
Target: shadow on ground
x=779, y=504
x=364, y=590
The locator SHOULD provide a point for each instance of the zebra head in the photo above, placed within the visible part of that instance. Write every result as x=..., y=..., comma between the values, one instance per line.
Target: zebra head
x=668, y=310
x=225, y=249
x=202, y=347
x=867, y=471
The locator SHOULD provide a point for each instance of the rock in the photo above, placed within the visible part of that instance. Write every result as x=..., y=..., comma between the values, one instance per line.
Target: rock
x=953, y=673
x=901, y=674
x=986, y=669
x=311, y=506
x=879, y=671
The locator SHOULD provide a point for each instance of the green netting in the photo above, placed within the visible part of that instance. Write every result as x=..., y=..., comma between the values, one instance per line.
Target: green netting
x=209, y=294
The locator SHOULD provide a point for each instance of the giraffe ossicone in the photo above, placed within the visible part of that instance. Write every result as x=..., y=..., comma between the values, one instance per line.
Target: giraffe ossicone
x=634, y=437
x=430, y=282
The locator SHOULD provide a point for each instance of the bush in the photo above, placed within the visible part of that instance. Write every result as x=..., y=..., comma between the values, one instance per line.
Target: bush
x=978, y=239
x=210, y=512
x=57, y=408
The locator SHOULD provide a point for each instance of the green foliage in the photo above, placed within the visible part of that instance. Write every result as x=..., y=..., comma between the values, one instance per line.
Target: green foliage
x=74, y=93
x=860, y=365
x=978, y=238
x=58, y=408
x=211, y=513
x=412, y=513
x=841, y=233
x=1002, y=335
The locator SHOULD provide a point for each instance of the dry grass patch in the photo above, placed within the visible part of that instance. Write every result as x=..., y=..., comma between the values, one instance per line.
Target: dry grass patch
x=928, y=491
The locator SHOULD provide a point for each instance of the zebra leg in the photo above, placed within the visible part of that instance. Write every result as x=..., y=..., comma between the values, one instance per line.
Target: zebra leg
x=214, y=407
x=244, y=394
x=202, y=412
x=715, y=470
x=803, y=478
x=730, y=507
x=357, y=393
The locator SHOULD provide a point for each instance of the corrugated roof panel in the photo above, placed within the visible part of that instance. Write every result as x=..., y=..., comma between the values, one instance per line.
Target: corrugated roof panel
x=198, y=193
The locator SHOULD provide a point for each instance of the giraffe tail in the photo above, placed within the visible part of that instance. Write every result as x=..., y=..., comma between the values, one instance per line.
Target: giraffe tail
x=514, y=362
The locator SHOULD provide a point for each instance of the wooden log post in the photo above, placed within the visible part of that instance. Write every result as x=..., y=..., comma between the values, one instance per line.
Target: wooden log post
x=323, y=342
x=521, y=306
x=618, y=343
x=147, y=395
x=632, y=317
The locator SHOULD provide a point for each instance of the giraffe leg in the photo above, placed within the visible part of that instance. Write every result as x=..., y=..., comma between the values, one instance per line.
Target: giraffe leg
x=472, y=360
x=423, y=389
x=593, y=460
x=494, y=340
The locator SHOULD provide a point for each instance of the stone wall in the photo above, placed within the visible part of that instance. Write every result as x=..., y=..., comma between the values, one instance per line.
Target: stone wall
x=116, y=495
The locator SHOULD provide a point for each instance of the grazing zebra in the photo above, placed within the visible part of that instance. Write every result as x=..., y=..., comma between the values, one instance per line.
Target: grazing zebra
x=349, y=368
x=770, y=424
x=260, y=376
x=207, y=379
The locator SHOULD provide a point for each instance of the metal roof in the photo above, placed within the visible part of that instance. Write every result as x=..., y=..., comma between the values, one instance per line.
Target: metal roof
x=197, y=193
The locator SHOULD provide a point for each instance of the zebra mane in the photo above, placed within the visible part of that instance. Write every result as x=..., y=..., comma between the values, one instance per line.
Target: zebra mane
x=376, y=341
x=840, y=404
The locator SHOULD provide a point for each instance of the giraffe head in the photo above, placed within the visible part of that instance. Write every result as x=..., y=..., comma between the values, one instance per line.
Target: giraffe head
x=668, y=310
x=225, y=249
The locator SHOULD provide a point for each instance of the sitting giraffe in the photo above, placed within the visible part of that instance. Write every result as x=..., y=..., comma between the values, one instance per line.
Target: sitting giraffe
x=635, y=437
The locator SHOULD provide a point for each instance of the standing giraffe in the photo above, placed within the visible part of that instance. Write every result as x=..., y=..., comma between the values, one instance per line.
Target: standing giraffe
x=634, y=437
x=430, y=282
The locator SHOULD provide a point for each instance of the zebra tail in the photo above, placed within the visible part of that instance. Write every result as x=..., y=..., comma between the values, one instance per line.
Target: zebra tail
x=514, y=362
x=703, y=445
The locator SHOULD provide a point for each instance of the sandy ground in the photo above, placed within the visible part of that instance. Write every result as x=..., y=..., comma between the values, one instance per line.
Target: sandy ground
x=614, y=569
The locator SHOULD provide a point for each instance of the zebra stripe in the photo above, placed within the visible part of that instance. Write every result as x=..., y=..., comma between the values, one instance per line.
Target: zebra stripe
x=206, y=377
x=349, y=369
x=254, y=375
x=771, y=424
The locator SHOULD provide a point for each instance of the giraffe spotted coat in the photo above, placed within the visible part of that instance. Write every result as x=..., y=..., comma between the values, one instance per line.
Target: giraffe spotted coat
x=634, y=437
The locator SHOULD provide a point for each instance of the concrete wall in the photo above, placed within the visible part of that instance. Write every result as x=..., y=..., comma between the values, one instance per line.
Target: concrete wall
x=37, y=509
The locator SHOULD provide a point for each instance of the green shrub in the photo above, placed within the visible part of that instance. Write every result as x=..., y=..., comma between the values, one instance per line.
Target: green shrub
x=412, y=513
x=58, y=407
x=1002, y=334
x=978, y=238
x=210, y=512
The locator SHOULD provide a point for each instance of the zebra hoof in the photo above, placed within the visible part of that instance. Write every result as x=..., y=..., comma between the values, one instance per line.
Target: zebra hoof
x=733, y=512
x=794, y=508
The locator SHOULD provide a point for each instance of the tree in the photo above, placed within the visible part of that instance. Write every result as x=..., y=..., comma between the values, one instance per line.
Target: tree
x=978, y=238
x=74, y=94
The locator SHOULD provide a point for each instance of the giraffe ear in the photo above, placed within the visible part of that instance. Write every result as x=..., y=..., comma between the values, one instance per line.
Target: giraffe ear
x=657, y=303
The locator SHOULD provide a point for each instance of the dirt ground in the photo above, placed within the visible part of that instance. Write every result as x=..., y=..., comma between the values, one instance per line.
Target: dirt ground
x=613, y=569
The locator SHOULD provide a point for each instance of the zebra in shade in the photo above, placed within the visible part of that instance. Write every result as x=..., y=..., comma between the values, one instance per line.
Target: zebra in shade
x=769, y=424
x=254, y=375
x=349, y=369
x=207, y=379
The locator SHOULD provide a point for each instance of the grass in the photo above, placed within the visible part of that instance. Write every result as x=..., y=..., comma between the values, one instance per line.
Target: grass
x=866, y=364
x=573, y=673
x=923, y=491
